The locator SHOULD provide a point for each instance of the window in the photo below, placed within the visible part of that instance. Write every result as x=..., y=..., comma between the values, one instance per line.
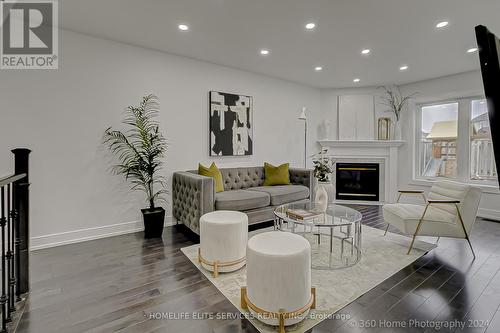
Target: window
x=454, y=141
x=438, y=140
x=482, y=160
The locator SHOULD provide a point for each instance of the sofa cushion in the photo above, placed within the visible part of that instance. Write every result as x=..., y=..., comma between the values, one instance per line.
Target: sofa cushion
x=241, y=200
x=276, y=175
x=214, y=173
x=281, y=194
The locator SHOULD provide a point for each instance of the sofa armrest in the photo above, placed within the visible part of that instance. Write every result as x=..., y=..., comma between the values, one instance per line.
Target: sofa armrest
x=301, y=176
x=192, y=196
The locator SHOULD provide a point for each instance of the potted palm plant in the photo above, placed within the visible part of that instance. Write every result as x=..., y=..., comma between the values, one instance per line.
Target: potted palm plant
x=140, y=151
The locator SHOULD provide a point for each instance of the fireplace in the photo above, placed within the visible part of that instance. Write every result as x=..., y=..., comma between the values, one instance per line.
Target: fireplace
x=357, y=181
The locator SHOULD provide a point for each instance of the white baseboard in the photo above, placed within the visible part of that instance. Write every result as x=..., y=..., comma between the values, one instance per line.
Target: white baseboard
x=489, y=214
x=82, y=235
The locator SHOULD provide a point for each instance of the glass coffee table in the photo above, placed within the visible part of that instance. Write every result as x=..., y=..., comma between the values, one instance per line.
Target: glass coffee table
x=329, y=233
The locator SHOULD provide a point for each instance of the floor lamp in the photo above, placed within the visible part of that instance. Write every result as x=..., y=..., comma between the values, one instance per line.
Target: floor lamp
x=304, y=118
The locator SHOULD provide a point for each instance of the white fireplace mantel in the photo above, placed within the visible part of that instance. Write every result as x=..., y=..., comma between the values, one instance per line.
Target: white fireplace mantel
x=386, y=152
x=360, y=143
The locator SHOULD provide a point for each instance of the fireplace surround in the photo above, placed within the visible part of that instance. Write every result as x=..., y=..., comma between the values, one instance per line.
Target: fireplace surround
x=384, y=153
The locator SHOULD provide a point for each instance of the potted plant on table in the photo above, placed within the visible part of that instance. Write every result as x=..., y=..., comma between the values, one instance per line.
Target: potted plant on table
x=323, y=166
x=323, y=171
x=140, y=151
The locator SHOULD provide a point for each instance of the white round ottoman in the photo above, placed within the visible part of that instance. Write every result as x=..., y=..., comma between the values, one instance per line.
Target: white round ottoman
x=278, y=290
x=223, y=241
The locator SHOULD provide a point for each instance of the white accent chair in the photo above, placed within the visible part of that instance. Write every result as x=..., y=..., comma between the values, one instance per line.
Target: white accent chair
x=449, y=210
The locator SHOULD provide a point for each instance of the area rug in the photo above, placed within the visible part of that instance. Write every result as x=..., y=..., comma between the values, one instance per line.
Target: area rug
x=382, y=256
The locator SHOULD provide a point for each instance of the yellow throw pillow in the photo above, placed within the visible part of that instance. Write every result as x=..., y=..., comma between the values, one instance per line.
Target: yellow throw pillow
x=276, y=175
x=213, y=172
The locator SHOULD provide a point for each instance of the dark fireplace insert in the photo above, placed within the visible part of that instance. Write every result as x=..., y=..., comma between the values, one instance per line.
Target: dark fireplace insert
x=357, y=181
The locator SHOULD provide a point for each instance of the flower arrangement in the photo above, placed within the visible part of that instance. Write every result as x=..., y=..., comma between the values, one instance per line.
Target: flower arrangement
x=323, y=166
x=395, y=101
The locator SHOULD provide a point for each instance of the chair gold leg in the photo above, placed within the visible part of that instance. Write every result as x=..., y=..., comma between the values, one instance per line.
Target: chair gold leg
x=282, y=314
x=437, y=240
x=465, y=231
x=387, y=228
x=199, y=255
x=313, y=292
x=470, y=245
x=243, y=293
x=216, y=269
x=417, y=229
x=411, y=244
x=282, y=322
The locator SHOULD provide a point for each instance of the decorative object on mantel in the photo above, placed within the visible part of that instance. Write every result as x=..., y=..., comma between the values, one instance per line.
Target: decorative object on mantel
x=231, y=128
x=304, y=118
x=323, y=171
x=326, y=130
x=395, y=102
x=141, y=151
x=384, y=128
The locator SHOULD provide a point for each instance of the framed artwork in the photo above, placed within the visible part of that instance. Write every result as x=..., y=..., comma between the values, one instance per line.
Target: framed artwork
x=231, y=125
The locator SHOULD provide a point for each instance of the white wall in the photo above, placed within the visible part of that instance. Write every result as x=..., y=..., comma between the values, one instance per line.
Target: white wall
x=62, y=114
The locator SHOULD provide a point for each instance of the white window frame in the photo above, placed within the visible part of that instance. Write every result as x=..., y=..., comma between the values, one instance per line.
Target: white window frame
x=463, y=145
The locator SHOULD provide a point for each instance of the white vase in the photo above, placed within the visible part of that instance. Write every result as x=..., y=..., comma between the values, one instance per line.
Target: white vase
x=329, y=188
x=321, y=199
x=397, y=131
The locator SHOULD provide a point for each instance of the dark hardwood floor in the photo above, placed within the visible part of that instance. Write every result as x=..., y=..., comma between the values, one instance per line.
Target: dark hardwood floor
x=122, y=283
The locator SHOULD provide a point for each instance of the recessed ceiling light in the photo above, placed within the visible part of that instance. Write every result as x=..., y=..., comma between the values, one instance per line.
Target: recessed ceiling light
x=472, y=50
x=183, y=27
x=403, y=68
x=318, y=68
x=356, y=80
x=442, y=24
x=310, y=26
x=366, y=51
x=264, y=52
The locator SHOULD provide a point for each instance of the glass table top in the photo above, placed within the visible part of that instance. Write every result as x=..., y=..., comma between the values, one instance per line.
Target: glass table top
x=309, y=214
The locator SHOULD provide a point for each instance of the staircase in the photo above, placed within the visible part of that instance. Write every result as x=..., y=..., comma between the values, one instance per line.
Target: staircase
x=14, y=242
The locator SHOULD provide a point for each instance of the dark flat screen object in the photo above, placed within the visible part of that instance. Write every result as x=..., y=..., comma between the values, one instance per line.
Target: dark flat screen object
x=489, y=57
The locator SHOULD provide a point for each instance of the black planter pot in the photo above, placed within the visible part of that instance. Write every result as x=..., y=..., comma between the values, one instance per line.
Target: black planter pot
x=154, y=220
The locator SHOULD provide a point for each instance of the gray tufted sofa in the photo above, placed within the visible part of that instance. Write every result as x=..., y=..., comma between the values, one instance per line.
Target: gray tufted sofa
x=194, y=195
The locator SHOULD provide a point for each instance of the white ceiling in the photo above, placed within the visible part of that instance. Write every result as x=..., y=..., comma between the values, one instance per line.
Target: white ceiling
x=231, y=33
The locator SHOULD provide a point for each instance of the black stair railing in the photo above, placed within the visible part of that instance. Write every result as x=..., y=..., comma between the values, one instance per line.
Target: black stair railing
x=14, y=236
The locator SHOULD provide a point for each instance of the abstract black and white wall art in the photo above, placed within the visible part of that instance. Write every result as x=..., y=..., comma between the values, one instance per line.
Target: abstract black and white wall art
x=231, y=128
